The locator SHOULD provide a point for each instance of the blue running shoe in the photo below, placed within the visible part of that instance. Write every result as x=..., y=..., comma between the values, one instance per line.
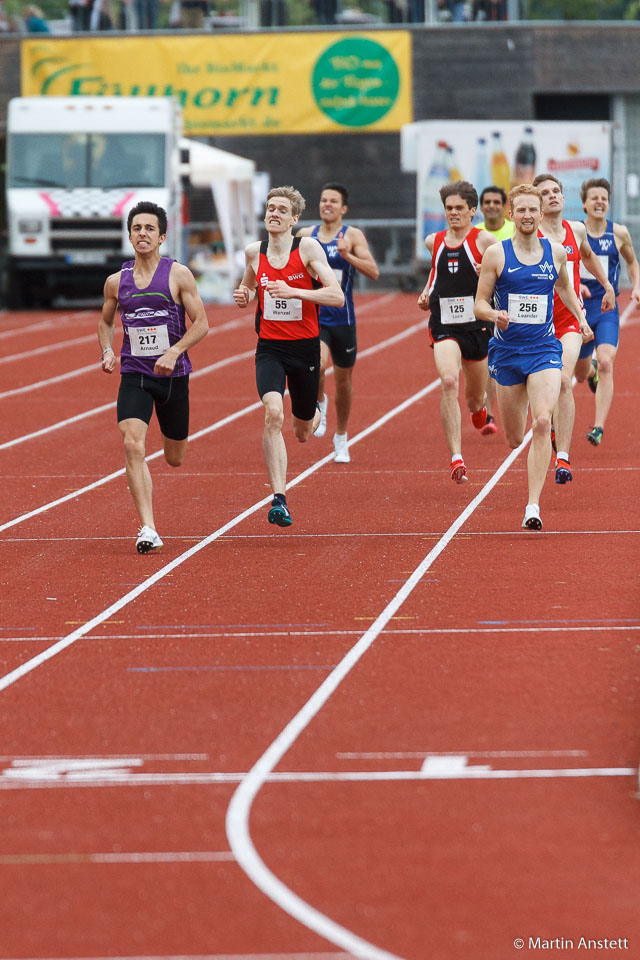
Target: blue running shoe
x=279, y=514
x=563, y=472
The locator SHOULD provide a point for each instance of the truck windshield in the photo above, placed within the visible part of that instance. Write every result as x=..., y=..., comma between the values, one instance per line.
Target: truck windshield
x=102, y=160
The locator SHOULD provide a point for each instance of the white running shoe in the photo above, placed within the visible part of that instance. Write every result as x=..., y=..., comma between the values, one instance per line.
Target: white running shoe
x=532, y=519
x=322, y=426
x=341, y=448
x=148, y=540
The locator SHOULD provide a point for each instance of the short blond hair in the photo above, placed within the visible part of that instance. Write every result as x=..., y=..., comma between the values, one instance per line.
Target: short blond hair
x=294, y=196
x=523, y=189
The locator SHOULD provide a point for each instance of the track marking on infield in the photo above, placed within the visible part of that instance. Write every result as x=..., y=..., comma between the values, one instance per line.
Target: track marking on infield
x=52, y=651
x=194, y=436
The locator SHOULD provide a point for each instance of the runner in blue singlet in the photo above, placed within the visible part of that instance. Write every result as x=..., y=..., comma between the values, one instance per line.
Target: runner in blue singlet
x=609, y=241
x=347, y=251
x=525, y=358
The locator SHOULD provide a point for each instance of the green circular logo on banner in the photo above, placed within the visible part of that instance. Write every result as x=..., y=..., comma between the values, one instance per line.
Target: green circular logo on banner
x=355, y=82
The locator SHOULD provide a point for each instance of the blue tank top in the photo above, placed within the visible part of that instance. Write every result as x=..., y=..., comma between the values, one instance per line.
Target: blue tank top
x=152, y=321
x=603, y=247
x=524, y=280
x=344, y=271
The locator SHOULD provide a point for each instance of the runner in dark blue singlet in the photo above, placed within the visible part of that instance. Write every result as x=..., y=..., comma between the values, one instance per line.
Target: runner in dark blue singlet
x=609, y=241
x=347, y=251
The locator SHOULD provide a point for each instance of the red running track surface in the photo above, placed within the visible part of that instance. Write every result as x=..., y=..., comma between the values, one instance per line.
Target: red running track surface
x=403, y=728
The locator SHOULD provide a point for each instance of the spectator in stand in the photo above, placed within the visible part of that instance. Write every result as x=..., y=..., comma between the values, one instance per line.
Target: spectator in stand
x=80, y=11
x=146, y=14
x=101, y=16
x=273, y=13
x=490, y=10
x=325, y=10
x=34, y=20
x=192, y=14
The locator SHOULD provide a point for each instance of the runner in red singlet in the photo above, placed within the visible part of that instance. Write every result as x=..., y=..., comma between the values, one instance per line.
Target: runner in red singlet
x=290, y=277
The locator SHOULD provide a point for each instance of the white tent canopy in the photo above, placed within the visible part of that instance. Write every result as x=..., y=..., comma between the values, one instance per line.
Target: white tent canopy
x=231, y=179
x=207, y=164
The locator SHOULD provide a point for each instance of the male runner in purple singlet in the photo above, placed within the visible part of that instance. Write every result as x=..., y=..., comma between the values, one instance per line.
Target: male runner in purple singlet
x=154, y=293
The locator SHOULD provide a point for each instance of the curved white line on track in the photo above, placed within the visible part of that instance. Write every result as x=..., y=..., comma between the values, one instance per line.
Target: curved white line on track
x=25, y=668
x=397, y=338
x=239, y=810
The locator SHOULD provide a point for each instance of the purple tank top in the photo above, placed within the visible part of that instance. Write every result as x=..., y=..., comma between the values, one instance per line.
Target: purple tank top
x=152, y=321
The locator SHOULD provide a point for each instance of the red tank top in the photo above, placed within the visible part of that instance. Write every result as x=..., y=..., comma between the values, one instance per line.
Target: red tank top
x=291, y=318
x=562, y=314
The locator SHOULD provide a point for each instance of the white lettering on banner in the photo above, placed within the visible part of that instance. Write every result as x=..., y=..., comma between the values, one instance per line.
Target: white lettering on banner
x=280, y=308
x=456, y=310
x=527, y=308
x=148, y=341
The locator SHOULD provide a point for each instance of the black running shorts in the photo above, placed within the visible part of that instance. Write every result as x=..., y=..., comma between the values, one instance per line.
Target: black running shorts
x=342, y=343
x=139, y=393
x=474, y=344
x=294, y=364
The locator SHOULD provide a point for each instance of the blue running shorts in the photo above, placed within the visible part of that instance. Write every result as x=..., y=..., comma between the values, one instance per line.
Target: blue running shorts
x=509, y=366
x=605, y=326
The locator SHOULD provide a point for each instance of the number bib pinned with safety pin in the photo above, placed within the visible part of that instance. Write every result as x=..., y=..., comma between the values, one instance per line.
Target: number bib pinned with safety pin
x=148, y=341
x=456, y=310
x=276, y=308
x=528, y=308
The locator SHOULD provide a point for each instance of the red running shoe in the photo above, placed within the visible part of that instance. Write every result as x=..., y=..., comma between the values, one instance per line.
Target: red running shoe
x=479, y=419
x=489, y=427
x=459, y=471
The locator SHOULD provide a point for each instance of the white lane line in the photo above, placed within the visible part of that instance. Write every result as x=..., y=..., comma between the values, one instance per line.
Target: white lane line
x=200, y=433
x=389, y=631
x=426, y=535
x=626, y=313
x=239, y=810
x=47, y=324
x=9, y=781
x=60, y=378
x=141, y=588
x=218, y=956
x=119, y=473
x=92, y=367
x=56, y=426
x=218, y=365
x=177, y=856
x=421, y=754
x=58, y=345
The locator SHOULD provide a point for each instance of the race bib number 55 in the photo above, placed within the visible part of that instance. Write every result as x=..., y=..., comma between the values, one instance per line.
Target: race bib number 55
x=282, y=309
x=148, y=341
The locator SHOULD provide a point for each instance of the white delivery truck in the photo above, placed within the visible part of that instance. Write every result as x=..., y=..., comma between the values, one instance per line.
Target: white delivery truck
x=75, y=167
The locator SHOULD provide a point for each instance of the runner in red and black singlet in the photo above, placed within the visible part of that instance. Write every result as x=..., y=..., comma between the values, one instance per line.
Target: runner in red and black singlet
x=460, y=341
x=291, y=278
x=153, y=294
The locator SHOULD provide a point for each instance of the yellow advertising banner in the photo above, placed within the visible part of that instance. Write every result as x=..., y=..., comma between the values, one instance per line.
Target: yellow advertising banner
x=241, y=84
